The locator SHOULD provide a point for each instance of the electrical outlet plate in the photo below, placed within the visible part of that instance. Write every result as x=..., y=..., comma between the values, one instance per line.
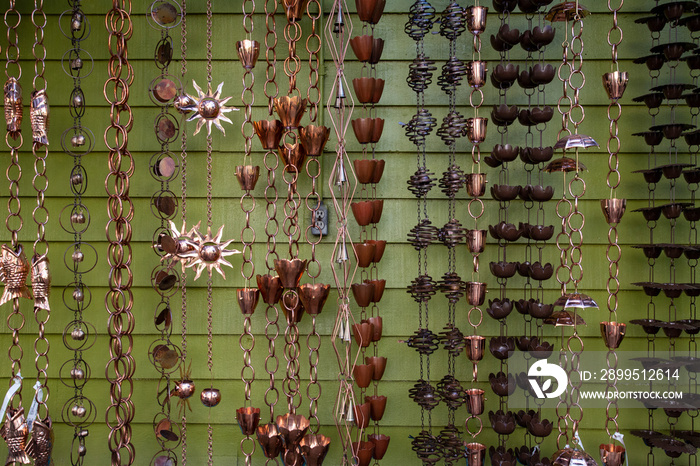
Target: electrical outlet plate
x=321, y=222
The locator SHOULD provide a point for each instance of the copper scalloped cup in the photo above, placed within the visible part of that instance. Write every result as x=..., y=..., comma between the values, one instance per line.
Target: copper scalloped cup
x=270, y=440
x=364, y=170
x=365, y=253
x=247, y=176
x=362, y=414
x=370, y=11
x=362, y=333
x=293, y=156
x=379, y=363
x=363, y=212
x=270, y=287
x=247, y=301
x=314, y=139
x=613, y=333
x=290, y=271
x=314, y=448
x=378, y=171
x=362, y=46
x=377, y=209
x=381, y=445
x=269, y=132
x=611, y=454
x=363, y=128
x=377, y=49
x=294, y=9
x=379, y=286
x=363, y=451
x=363, y=293
x=313, y=297
x=377, y=406
x=290, y=110
x=292, y=428
x=248, y=419
x=380, y=247
x=377, y=130
x=248, y=51
x=377, y=325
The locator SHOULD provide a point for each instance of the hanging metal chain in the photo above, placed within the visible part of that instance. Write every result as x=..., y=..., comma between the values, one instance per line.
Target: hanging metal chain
x=119, y=300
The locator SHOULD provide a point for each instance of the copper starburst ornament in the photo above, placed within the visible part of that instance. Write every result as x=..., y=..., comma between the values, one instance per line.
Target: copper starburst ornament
x=209, y=108
x=202, y=251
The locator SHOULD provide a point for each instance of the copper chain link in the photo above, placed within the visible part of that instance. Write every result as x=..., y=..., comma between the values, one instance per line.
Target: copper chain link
x=183, y=208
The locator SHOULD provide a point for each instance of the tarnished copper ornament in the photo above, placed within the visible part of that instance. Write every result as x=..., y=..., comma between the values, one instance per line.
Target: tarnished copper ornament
x=41, y=281
x=269, y=132
x=15, y=433
x=14, y=270
x=39, y=117
x=14, y=110
x=41, y=444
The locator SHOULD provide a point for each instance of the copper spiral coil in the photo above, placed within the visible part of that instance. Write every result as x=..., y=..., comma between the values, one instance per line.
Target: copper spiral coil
x=424, y=341
x=451, y=391
x=427, y=447
x=452, y=340
x=452, y=181
x=420, y=126
x=453, y=71
x=423, y=234
x=452, y=286
x=452, y=21
x=421, y=182
x=424, y=395
x=454, y=126
x=421, y=17
x=452, y=444
x=422, y=288
x=420, y=73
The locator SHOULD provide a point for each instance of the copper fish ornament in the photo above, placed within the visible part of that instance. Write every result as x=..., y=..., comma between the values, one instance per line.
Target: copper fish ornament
x=14, y=270
x=15, y=433
x=39, y=116
x=40, y=445
x=13, y=107
x=41, y=281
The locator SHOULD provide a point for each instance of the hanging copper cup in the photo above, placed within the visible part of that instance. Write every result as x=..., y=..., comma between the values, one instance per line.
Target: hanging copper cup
x=362, y=333
x=363, y=128
x=363, y=212
x=269, y=132
x=294, y=9
x=377, y=325
x=362, y=46
x=613, y=333
x=364, y=87
x=476, y=184
x=380, y=247
x=248, y=419
x=247, y=176
x=613, y=209
x=314, y=139
x=314, y=448
x=364, y=170
x=475, y=401
x=293, y=156
x=377, y=130
x=476, y=73
x=381, y=445
x=362, y=412
x=612, y=455
x=247, y=301
x=476, y=239
x=290, y=109
x=369, y=11
x=248, y=51
x=377, y=49
x=313, y=296
x=476, y=129
x=290, y=271
x=364, y=253
x=476, y=293
x=615, y=84
x=377, y=209
x=379, y=363
x=379, y=286
x=363, y=293
x=476, y=19
x=292, y=428
x=270, y=287
x=292, y=307
x=476, y=453
x=377, y=406
x=363, y=451
x=362, y=373
x=270, y=440
x=475, y=347
x=378, y=171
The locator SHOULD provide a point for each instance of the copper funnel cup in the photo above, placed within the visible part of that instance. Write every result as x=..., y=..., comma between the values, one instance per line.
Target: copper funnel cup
x=475, y=401
x=476, y=239
x=248, y=51
x=613, y=209
x=475, y=347
x=247, y=176
x=365, y=254
x=612, y=455
x=379, y=364
x=377, y=325
x=363, y=128
x=270, y=440
x=476, y=184
x=247, y=301
x=379, y=286
x=377, y=130
x=613, y=333
x=378, y=171
x=364, y=87
x=476, y=129
x=364, y=170
x=380, y=246
x=476, y=293
x=314, y=448
x=314, y=139
x=362, y=416
x=292, y=428
x=362, y=373
x=248, y=419
x=269, y=132
x=362, y=46
x=476, y=19
x=363, y=212
x=476, y=453
x=362, y=333
x=290, y=109
x=313, y=296
x=293, y=308
x=293, y=156
x=377, y=406
x=377, y=209
x=294, y=9
x=615, y=84
x=363, y=293
x=476, y=73
x=290, y=272
x=381, y=444
x=270, y=288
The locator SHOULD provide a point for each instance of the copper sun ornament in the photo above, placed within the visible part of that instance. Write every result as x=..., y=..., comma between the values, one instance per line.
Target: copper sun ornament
x=208, y=108
x=202, y=251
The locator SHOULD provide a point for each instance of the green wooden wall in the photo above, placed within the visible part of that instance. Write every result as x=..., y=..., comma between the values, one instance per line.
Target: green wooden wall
x=399, y=263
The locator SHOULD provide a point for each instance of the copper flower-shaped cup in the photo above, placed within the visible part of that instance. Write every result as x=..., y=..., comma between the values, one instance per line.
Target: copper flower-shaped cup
x=362, y=415
x=503, y=423
x=294, y=9
x=247, y=176
x=270, y=287
x=615, y=84
x=293, y=156
x=269, y=132
x=381, y=444
x=313, y=296
x=502, y=347
x=270, y=440
x=364, y=170
x=362, y=333
x=363, y=212
x=362, y=46
x=363, y=128
x=292, y=428
x=248, y=51
x=539, y=427
x=365, y=253
x=377, y=325
x=379, y=363
x=613, y=333
x=611, y=454
x=314, y=448
x=247, y=301
x=290, y=110
x=363, y=293
x=502, y=384
x=613, y=209
x=314, y=139
x=377, y=406
x=363, y=451
x=368, y=90
x=248, y=419
x=380, y=247
x=370, y=11
x=290, y=271
x=499, y=308
x=476, y=453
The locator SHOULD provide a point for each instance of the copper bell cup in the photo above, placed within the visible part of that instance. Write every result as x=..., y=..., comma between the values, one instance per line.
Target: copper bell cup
x=314, y=448
x=210, y=397
x=314, y=139
x=476, y=129
x=292, y=428
x=475, y=401
x=247, y=300
x=613, y=333
x=476, y=184
x=381, y=445
x=476, y=293
x=379, y=248
x=269, y=132
x=613, y=209
x=313, y=296
x=476, y=454
x=363, y=212
x=270, y=287
x=377, y=209
x=293, y=156
x=379, y=364
x=248, y=51
x=476, y=240
x=476, y=19
x=615, y=84
x=248, y=419
x=247, y=176
x=362, y=414
x=290, y=272
x=290, y=110
x=270, y=440
x=368, y=90
x=377, y=130
x=475, y=345
x=363, y=451
x=612, y=455
x=476, y=73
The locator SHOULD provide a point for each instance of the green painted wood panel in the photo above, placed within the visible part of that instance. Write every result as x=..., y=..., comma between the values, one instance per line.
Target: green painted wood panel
x=399, y=264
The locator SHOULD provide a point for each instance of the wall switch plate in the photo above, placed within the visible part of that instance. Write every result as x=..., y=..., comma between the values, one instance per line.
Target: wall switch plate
x=320, y=227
